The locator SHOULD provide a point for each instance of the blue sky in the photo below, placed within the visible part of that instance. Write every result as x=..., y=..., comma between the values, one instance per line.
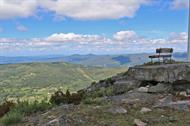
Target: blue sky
x=47, y=27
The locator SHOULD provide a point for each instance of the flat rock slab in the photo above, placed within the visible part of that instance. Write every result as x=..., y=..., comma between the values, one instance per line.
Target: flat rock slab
x=161, y=73
x=134, y=97
x=178, y=105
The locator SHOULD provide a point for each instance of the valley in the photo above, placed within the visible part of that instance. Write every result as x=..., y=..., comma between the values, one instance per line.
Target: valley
x=38, y=80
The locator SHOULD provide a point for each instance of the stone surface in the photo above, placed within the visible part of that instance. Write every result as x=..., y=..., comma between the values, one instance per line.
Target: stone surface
x=123, y=86
x=138, y=122
x=145, y=110
x=134, y=97
x=188, y=91
x=161, y=73
x=117, y=110
x=54, y=122
x=143, y=89
x=159, y=88
x=183, y=93
x=178, y=105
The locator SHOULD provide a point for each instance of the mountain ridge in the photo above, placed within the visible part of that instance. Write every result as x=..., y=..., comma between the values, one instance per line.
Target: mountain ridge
x=90, y=59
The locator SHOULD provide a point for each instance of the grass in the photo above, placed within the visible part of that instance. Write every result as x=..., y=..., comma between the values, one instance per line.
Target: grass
x=33, y=107
x=17, y=113
x=101, y=92
x=100, y=115
x=12, y=117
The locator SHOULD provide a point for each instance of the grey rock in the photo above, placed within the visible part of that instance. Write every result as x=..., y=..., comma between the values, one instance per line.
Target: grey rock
x=161, y=73
x=166, y=99
x=123, y=86
x=188, y=91
x=159, y=88
x=179, y=105
x=145, y=110
x=60, y=121
x=143, y=89
x=54, y=122
x=138, y=122
x=134, y=97
x=117, y=110
x=63, y=120
x=183, y=93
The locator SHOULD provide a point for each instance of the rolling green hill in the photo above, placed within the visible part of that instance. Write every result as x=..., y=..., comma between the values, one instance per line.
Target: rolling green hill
x=33, y=80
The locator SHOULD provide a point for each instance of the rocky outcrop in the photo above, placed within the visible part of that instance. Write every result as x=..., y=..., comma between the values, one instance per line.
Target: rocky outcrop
x=154, y=78
x=161, y=73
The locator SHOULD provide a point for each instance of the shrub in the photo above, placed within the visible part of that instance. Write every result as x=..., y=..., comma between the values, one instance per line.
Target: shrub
x=58, y=98
x=109, y=91
x=14, y=112
x=101, y=92
x=33, y=107
x=6, y=107
x=12, y=117
x=67, y=98
x=89, y=101
x=93, y=83
x=110, y=81
x=101, y=81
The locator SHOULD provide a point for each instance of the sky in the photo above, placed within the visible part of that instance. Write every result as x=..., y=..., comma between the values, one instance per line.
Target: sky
x=54, y=27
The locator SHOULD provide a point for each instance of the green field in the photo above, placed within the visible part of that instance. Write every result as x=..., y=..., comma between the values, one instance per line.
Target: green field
x=36, y=80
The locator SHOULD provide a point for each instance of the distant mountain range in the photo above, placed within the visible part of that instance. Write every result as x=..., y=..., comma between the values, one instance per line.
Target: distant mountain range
x=90, y=59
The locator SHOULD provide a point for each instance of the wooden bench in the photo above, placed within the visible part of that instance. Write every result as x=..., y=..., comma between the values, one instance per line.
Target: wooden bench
x=163, y=53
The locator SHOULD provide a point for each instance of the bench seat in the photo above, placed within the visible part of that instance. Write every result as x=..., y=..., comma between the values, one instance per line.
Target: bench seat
x=163, y=53
x=159, y=56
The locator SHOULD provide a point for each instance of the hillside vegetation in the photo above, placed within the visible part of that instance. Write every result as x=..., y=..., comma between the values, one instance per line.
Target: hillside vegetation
x=39, y=79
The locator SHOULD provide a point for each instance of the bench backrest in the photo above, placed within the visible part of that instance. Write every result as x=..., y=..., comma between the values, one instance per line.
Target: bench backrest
x=164, y=50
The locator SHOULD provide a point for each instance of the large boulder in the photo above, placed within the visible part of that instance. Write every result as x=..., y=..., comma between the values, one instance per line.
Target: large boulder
x=123, y=86
x=161, y=73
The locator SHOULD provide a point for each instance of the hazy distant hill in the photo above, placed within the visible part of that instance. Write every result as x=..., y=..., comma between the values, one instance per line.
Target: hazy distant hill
x=36, y=79
x=90, y=60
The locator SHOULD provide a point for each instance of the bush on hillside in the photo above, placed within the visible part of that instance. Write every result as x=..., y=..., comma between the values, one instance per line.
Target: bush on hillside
x=60, y=98
x=32, y=107
x=13, y=112
x=6, y=107
x=12, y=117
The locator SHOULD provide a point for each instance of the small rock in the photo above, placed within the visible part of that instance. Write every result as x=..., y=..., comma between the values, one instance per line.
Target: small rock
x=188, y=91
x=143, y=89
x=145, y=110
x=117, y=110
x=166, y=100
x=54, y=122
x=97, y=107
x=63, y=120
x=183, y=93
x=138, y=122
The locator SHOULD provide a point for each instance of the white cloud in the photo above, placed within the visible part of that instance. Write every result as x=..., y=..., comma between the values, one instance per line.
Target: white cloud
x=180, y=4
x=125, y=35
x=77, y=9
x=17, y=8
x=21, y=28
x=122, y=42
x=94, y=9
x=72, y=37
